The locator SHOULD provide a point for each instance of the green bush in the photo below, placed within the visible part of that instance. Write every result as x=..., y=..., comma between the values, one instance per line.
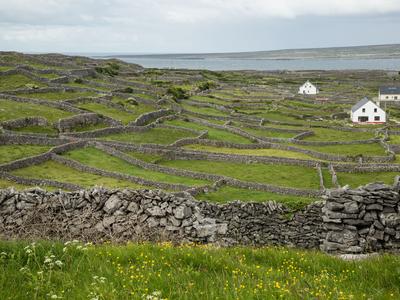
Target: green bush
x=177, y=93
x=207, y=85
x=78, y=80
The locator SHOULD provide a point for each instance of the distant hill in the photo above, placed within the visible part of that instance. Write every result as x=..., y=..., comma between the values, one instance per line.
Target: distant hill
x=361, y=52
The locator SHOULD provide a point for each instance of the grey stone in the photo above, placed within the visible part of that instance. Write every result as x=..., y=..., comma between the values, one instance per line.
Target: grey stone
x=182, y=212
x=112, y=204
x=133, y=207
x=351, y=207
x=156, y=211
x=108, y=221
x=374, y=207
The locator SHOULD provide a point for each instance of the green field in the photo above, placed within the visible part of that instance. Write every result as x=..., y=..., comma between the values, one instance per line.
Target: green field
x=213, y=133
x=227, y=194
x=58, y=96
x=123, y=116
x=152, y=136
x=256, y=152
x=13, y=110
x=150, y=271
x=98, y=159
x=55, y=171
x=13, y=152
x=13, y=82
x=281, y=175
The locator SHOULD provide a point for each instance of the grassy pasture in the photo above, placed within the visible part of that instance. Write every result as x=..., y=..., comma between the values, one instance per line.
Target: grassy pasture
x=281, y=175
x=56, y=171
x=10, y=153
x=123, y=116
x=256, y=152
x=227, y=194
x=152, y=136
x=213, y=133
x=59, y=96
x=99, y=159
x=163, y=271
x=13, y=110
x=17, y=81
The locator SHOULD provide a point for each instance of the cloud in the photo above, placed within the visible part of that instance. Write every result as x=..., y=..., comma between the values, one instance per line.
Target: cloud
x=157, y=25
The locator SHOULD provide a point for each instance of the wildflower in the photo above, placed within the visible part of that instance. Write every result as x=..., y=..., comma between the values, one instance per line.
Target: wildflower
x=58, y=263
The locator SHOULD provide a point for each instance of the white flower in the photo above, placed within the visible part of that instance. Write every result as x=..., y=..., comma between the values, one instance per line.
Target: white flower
x=59, y=263
x=48, y=260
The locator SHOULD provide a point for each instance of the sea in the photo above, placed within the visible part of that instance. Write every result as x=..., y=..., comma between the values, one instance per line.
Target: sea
x=228, y=64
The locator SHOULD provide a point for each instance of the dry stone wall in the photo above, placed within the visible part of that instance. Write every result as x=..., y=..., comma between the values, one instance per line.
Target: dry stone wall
x=348, y=221
x=363, y=220
x=121, y=215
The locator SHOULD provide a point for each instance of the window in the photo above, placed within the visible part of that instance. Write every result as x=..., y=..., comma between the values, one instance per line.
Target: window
x=362, y=119
x=375, y=110
x=363, y=110
x=395, y=97
x=387, y=97
x=377, y=118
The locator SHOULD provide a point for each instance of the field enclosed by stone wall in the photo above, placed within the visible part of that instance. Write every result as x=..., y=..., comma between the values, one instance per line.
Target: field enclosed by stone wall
x=72, y=122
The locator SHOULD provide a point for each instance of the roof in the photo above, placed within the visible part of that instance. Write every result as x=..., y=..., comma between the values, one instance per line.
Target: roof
x=389, y=90
x=360, y=104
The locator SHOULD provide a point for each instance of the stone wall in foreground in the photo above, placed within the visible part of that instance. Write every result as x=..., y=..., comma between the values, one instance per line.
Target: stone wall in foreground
x=122, y=215
x=363, y=220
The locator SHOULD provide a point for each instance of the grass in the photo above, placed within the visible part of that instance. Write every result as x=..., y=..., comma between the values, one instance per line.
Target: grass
x=59, y=96
x=228, y=194
x=256, y=152
x=123, y=116
x=37, y=129
x=99, y=159
x=209, y=100
x=56, y=171
x=394, y=139
x=6, y=184
x=152, y=136
x=204, y=110
x=161, y=271
x=5, y=68
x=351, y=150
x=357, y=179
x=151, y=158
x=138, y=109
x=13, y=110
x=326, y=134
x=90, y=127
x=10, y=153
x=281, y=175
x=213, y=134
x=49, y=75
x=268, y=133
x=17, y=81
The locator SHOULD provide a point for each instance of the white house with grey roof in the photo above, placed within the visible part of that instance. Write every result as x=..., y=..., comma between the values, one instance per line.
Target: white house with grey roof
x=367, y=112
x=308, y=89
x=389, y=93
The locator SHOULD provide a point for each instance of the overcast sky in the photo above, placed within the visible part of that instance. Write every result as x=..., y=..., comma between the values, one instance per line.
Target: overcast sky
x=171, y=26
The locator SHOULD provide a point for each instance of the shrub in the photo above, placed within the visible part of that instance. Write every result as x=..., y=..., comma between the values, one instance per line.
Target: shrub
x=207, y=85
x=177, y=93
x=78, y=80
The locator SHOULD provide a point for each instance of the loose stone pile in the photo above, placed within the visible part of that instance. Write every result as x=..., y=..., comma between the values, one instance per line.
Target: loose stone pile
x=362, y=220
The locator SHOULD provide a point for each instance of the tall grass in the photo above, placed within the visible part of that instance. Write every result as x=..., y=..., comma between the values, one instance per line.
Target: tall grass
x=73, y=270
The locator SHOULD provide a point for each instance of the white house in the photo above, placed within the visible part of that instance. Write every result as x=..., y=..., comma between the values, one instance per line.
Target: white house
x=389, y=93
x=367, y=112
x=308, y=89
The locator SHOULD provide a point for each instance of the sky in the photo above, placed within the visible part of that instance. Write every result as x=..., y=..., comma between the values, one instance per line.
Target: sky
x=194, y=26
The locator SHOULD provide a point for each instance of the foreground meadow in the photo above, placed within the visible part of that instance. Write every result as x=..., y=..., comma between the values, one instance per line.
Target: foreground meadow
x=46, y=270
